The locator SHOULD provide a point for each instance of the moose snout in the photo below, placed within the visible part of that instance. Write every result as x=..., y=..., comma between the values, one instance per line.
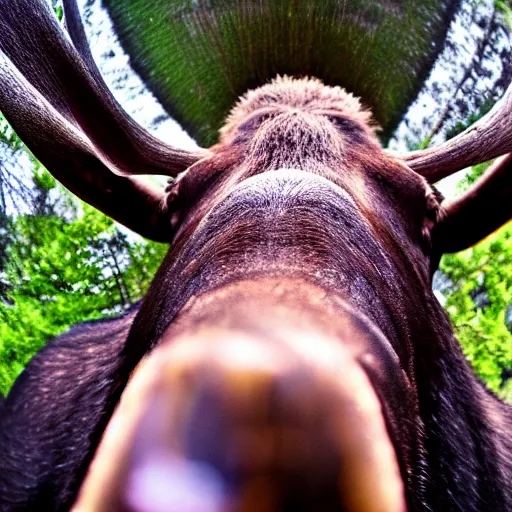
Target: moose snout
x=227, y=421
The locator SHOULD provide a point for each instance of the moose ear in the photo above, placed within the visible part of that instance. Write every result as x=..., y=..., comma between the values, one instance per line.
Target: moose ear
x=54, y=97
x=485, y=207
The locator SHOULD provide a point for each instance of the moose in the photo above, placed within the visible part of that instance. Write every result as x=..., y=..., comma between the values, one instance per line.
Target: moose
x=290, y=353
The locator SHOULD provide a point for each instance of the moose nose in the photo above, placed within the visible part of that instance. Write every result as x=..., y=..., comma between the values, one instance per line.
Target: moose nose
x=236, y=423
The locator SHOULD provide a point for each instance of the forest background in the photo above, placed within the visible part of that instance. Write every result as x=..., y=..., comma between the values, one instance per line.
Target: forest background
x=62, y=262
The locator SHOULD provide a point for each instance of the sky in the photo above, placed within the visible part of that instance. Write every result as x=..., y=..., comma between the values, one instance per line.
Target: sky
x=125, y=84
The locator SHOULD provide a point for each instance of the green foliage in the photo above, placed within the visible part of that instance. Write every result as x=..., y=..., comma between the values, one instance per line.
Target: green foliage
x=506, y=391
x=57, y=7
x=61, y=264
x=505, y=10
x=473, y=117
x=479, y=302
x=43, y=180
x=7, y=135
x=62, y=270
x=472, y=176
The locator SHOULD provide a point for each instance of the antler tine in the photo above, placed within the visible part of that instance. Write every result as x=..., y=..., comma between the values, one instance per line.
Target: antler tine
x=482, y=209
x=488, y=138
x=61, y=147
x=33, y=41
x=76, y=31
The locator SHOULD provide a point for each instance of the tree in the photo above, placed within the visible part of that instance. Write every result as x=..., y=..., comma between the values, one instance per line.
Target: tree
x=470, y=74
x=478, y=294
x=65, y=263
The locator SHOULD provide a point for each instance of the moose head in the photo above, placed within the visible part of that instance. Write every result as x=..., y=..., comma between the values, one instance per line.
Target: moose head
x=293, y=354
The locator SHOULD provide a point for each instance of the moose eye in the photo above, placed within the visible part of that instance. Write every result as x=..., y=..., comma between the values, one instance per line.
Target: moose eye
x=348, y=127
x=343, y=123
x=253, y=122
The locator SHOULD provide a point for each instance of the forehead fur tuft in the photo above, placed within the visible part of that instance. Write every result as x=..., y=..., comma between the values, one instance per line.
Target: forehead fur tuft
x=308, y=94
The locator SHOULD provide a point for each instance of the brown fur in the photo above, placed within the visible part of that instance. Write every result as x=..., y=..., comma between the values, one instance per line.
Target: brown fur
x=306, y=94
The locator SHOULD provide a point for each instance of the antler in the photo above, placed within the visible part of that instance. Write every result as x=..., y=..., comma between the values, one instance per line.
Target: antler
x=485, y=207
x=488, y=138
x=54, y=97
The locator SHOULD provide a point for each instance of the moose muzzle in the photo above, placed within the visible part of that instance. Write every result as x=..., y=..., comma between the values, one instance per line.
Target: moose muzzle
x=225, y=420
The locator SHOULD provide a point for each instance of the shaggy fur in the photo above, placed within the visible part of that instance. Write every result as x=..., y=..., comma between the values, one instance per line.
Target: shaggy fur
x=286, y=94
